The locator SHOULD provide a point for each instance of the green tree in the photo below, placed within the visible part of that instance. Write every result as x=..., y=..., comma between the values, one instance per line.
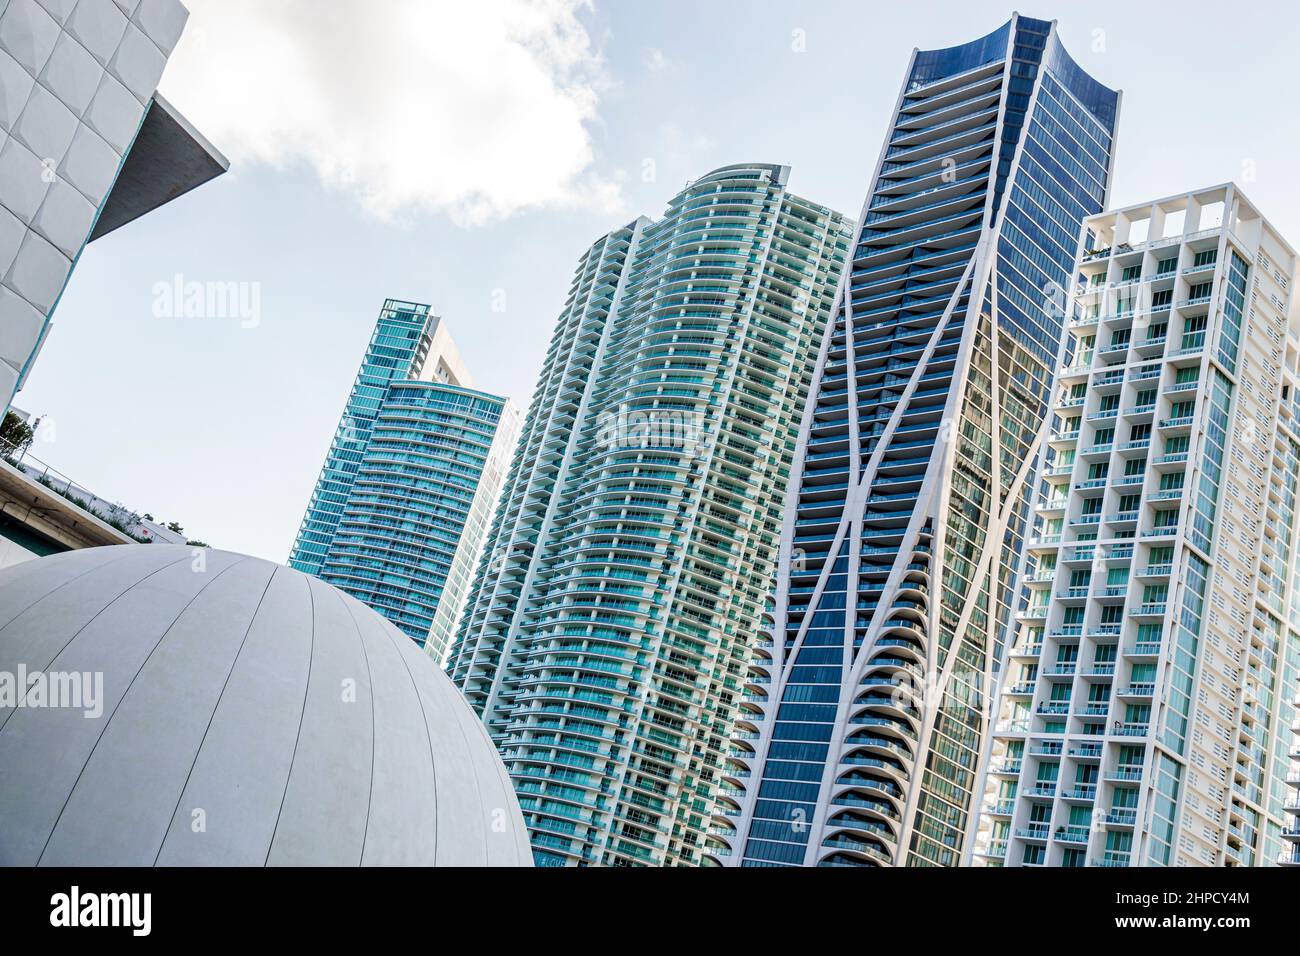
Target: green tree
x=17, y=434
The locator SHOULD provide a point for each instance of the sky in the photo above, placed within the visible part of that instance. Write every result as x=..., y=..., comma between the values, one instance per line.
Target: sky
x=465, y=155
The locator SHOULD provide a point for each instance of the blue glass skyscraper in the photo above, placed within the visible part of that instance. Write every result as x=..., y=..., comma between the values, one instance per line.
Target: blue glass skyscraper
x=399, y=345
x=399, y=513
x=861, y=728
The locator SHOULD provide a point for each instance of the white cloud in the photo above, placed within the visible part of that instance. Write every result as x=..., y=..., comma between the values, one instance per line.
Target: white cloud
x=474, y=109
x=654, y=59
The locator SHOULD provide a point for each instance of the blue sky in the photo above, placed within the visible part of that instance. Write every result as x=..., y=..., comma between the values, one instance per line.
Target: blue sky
x=467, y=159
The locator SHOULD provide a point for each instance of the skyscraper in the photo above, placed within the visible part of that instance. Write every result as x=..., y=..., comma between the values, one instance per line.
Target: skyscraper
x=399, y=345
x=1145, y=712
x=613, y=615
x=401, y=506
x=86, y=146
x=861, y=726
x=1290, y=855
x=488, y=430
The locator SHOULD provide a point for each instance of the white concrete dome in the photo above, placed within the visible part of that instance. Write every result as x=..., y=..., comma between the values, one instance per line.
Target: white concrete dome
x=249, y=715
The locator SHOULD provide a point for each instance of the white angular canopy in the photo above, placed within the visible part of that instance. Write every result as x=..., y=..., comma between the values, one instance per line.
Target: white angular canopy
x=251, y=715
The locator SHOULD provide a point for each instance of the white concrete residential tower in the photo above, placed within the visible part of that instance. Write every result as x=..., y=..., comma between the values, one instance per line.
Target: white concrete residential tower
x=1145, y=707
x=1290, y=855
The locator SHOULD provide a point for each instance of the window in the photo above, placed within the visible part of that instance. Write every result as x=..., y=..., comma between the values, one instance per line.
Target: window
x=1142, y=673
x=1155, y=594
x=1124, y=798
x=1137, y=714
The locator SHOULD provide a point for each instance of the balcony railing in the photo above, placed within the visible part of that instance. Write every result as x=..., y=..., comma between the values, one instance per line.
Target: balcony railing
x=1113, y=858
x=1131, y=729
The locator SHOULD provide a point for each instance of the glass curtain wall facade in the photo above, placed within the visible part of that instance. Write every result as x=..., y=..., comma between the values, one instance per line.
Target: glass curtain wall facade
x=475, y=520
x=400, y=510
x=614, y=612
x=1290, y=854
x=1145, y=709
x=434, y=449
x=399, y=346
x=863, y=721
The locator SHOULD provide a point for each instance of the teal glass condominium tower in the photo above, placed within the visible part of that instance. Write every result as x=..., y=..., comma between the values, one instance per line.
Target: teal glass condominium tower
x=399, y=512
x=611, y=621
x=399, y=344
